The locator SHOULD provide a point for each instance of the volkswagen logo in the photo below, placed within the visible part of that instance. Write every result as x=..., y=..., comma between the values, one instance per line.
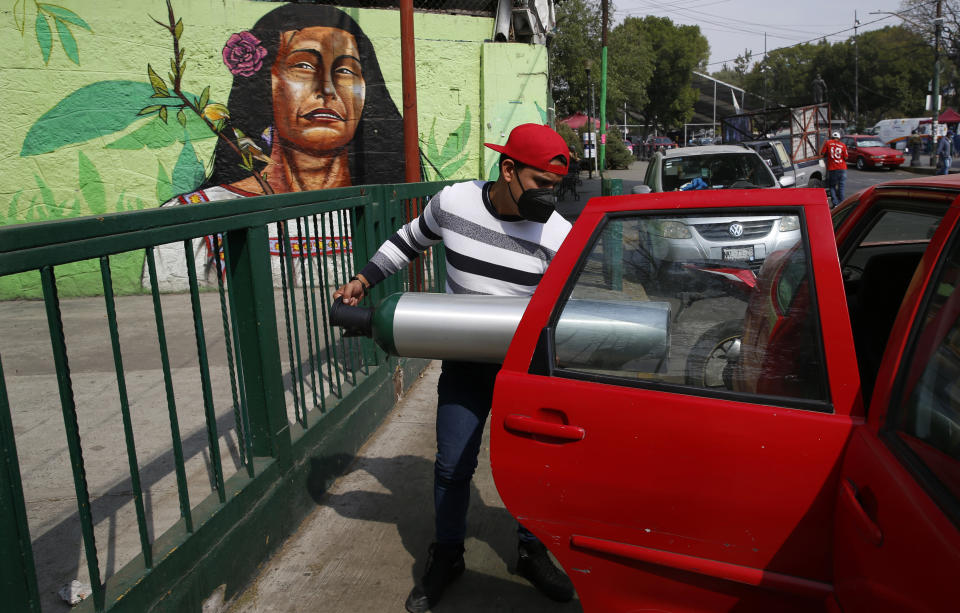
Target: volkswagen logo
x=735, y=230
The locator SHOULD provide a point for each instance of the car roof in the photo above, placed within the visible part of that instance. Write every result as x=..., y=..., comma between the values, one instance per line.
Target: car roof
x=707, y=150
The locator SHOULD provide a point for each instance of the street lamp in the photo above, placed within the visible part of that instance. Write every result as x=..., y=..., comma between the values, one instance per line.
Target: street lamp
x=590, y=143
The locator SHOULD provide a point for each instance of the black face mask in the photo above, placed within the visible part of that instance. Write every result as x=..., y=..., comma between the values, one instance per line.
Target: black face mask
x=536, y=204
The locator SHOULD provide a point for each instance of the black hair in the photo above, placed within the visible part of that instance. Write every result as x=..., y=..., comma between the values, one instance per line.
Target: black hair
x=376, y=151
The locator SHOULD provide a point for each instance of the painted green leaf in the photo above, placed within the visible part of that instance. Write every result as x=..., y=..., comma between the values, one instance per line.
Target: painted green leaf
x=64, y=14
x=154, y=134
x=182, y=118
x=188, y=174
x=542, y=111
x=178, y=29
x=163, y=114
x=93, y=111
x=12, y=212
x=67, y=41
x=20, y=15
x=91, y=186
x=153, y=108
x=164, y=187
x=157, y=81
x=454, y=146
x=450, y=169
x=432, y=151
x=44, y=36
x=204, y=98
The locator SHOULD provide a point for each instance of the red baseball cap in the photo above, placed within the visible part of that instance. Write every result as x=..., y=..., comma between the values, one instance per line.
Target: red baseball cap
x=536, y=145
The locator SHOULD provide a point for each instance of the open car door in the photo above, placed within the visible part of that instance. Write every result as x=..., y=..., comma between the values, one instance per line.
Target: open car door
x=897, y=543
x=672, y=413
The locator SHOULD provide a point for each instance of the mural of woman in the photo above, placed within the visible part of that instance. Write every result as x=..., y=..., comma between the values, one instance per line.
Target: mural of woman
x=310, y=102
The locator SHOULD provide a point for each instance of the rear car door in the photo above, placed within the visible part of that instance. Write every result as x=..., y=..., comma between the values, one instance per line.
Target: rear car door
x=897, y=543
x=676, y=440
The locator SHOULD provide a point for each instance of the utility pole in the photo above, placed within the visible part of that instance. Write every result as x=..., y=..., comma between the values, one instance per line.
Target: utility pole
x=601, y=162
x=763, y=68
x=935, y=97
x=856, y=74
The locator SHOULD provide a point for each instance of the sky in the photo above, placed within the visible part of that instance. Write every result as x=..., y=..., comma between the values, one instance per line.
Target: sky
x=734, y=25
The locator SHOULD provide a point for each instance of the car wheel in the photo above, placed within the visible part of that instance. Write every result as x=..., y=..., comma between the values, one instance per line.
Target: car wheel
x=711, y=354
x=815, y=182
x=860, y=164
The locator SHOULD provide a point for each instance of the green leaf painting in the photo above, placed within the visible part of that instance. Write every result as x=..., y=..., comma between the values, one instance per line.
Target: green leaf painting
x=188, y=174
x=44, y=36
x=91, y=186
x=447, y=161
x=155, y=134
x=62, y=17
x=164, y=187
x=93, y=111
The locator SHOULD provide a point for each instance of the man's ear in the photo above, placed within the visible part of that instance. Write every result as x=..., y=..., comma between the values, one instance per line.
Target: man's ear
x=508, y=170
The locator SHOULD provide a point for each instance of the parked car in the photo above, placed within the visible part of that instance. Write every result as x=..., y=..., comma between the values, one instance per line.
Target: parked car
x=716, y=166
x=823, y=476
x=657, y=143
x=670, y=244
x=810, y=173
x=865, y=151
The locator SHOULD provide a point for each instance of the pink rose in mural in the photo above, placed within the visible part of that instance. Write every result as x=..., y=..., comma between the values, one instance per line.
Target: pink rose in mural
x=243, y=54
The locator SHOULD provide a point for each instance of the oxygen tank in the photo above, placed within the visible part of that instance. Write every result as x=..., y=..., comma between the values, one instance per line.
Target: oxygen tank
x=591, y=334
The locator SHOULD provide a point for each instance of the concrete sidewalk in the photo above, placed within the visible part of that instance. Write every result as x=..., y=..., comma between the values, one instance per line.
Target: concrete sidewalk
x=366, y=542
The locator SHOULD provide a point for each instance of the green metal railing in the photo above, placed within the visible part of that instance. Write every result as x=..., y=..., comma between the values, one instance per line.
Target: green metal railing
x=292, y=383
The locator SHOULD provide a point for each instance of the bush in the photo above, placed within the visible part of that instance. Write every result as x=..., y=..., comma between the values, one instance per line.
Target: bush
x=571, y=138
x=617, y=154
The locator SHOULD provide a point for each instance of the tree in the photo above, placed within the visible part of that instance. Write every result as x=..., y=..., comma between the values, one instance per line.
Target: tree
x=577, y=39
x=630, y=67
x=676, y=52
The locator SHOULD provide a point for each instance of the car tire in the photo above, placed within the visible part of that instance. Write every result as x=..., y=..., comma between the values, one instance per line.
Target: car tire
x=707, y=361
x=815, y=182
x=860, y=164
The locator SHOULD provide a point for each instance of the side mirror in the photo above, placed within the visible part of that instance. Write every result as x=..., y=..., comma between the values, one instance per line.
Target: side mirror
x=640, y=189
x=787, y=181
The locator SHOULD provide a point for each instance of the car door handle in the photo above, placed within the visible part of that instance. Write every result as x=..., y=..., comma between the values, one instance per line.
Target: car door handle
x=529, y=425
x=870, y=528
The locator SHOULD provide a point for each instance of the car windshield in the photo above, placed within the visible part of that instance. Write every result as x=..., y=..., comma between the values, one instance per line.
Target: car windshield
x=716, y=171
x=870, y=142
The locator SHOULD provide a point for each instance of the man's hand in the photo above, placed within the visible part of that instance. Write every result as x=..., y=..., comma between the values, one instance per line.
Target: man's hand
x=353, y=291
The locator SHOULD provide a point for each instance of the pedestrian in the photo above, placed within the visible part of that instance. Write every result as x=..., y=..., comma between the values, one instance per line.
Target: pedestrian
x=956, y=144
x=499, y=238
x=836, y=153
x=944, y=153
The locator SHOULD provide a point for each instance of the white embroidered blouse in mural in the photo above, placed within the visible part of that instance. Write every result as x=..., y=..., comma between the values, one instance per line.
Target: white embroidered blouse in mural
x=172, y=266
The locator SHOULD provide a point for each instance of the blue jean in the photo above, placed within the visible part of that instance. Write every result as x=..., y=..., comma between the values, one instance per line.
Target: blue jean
x=943, y=167
x=464, y=398
x=836, y=179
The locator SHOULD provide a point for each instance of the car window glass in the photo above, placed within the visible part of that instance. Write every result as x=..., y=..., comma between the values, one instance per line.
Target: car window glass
x=927, y=418
x=716, y=171
x=877, y=271
x=782, y=154
x=715, y=303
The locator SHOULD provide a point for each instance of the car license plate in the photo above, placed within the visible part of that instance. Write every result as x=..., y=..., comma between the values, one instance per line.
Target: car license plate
x=738, y=253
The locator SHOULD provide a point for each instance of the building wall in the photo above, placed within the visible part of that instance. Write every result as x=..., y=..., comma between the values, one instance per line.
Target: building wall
x=81, y=137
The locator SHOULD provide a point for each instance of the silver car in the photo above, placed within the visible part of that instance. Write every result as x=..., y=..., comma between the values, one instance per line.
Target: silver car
x=731, y=241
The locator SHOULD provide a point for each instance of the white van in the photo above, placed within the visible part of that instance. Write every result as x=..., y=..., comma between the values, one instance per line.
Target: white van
x=895, y=132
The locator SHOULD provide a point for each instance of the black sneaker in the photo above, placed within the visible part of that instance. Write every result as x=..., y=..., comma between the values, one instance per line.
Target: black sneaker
x=444, y=564
x=536, y=566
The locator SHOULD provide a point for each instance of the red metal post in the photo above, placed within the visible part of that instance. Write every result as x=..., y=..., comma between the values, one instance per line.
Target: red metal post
x=411, y=149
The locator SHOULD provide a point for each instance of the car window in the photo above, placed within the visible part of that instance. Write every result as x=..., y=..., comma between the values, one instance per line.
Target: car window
x=926, y=420
x=716, y=171
x=782, y=154
x=718, y=303
x=870, y=142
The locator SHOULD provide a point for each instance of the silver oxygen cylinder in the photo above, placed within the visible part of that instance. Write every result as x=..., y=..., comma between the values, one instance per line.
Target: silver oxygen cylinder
x=590, y=333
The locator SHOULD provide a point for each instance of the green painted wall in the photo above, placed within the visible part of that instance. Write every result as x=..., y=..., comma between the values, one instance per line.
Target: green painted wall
x=74, y=76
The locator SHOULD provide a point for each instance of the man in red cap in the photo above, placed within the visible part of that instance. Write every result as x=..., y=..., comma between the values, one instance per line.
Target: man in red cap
x=499, y=237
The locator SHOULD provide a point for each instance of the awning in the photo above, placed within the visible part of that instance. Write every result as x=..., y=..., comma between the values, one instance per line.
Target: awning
x=578, y=120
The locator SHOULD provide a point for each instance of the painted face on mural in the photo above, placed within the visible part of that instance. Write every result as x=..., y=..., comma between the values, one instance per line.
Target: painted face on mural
x=318, y=89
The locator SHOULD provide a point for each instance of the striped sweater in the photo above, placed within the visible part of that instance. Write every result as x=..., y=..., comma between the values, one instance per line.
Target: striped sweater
x=487, y=253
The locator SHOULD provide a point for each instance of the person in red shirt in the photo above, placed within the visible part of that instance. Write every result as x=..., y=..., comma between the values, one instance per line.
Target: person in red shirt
x=836, y=154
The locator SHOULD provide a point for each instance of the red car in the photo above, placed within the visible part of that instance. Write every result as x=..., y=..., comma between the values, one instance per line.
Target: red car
x=796, y=444
x=866, y=151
